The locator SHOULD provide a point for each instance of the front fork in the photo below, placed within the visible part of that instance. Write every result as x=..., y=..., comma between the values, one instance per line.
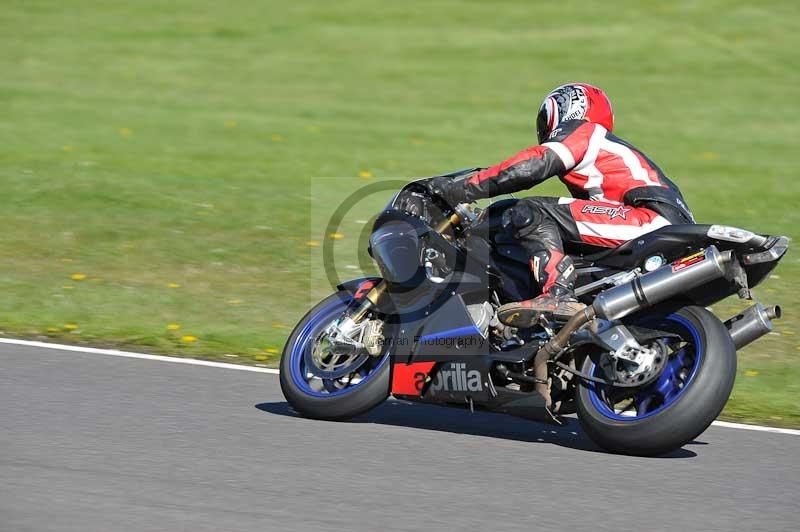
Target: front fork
x=368, y=302
x=342, y=334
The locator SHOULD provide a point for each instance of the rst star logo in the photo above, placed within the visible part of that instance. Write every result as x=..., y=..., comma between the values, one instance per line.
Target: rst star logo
x=611, y=212
x=453, y=377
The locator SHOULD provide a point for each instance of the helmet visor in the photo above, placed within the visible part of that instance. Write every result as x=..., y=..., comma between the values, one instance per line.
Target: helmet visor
x=542, y=127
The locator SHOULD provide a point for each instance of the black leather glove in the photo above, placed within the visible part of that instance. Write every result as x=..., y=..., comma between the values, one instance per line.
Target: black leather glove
x=451, y=191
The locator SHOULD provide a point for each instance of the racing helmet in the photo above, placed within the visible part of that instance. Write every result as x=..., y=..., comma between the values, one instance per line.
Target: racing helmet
x=574, y=101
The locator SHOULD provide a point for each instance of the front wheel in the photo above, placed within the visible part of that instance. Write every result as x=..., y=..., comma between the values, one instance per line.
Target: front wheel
x=325, y=386
x=677, y=406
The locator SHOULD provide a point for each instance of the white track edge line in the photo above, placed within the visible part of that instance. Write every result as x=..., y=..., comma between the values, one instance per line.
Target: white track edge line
x=760, y=428
x=223, y=365
x=130, y=354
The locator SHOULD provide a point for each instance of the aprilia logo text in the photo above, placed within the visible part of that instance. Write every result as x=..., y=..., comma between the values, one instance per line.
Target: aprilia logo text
x=453, y=378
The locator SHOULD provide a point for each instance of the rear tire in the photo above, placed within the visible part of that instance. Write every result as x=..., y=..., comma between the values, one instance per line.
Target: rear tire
x=689, y=415
x=361, y=398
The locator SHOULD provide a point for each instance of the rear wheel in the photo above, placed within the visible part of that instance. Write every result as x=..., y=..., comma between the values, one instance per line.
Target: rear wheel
x=325, y=386
x=677, y=406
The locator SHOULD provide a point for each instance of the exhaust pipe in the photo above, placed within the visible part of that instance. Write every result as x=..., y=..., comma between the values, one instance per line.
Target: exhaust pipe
x=662, y=284
x=649, y=289
x=752, y=323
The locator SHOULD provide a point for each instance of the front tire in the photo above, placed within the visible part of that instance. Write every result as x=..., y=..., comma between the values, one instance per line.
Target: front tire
x=329, y=403
x=694, y=395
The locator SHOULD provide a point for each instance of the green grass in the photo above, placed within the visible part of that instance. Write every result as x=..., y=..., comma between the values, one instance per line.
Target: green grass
x=147, y=143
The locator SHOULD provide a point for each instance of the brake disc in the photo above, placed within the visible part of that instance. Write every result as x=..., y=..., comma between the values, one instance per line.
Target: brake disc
x=323, y=362
x=636, y=367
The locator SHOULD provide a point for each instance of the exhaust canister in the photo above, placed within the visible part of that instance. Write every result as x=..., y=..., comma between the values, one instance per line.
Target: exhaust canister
x=662, y=284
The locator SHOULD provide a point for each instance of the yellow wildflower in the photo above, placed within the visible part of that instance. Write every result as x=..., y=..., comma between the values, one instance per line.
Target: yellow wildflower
x=235, y=302
x=70, y=326
x=260, y=357
x=173, y=285
x=77, y=276
x=173, y=327
x=365, y=174
x=313, y=243
x=336, y=236
x=271, y=351
x=751, y=373
x=188, y=338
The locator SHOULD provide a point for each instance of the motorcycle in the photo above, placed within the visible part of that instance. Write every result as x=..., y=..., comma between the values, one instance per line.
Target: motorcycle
x=645, y=365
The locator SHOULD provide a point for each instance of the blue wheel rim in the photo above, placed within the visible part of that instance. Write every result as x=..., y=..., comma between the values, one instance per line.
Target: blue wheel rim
x=304, y=341
x=667, y=388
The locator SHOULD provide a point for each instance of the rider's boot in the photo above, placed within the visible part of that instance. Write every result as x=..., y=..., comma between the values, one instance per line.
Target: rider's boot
x=555, y=273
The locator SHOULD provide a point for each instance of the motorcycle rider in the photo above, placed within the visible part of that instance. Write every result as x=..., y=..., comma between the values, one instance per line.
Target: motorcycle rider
x=618, y=194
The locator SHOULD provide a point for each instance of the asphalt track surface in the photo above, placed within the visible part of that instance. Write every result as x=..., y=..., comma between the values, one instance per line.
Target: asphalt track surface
x=96, y=443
